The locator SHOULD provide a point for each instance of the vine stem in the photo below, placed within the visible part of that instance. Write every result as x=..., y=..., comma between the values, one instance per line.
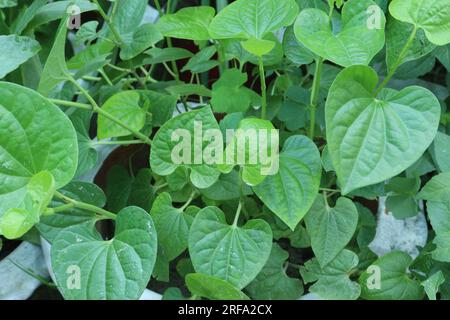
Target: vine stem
x=315, y=96
x=82, y=205
x=109, y=23
x=71, y=104
x=238, y=213
x=107, y=115
x=398, y=62
x=191, y=198
x=262, y=77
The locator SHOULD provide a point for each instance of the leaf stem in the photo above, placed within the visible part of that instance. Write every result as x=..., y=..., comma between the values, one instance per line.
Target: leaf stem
x=262, y=77
x=71, y=104
x=238, y=213
x=329, y=190
x=191, y=198
x=398, y=61
x=109, y=23
x=315, y=96
x=86, y=206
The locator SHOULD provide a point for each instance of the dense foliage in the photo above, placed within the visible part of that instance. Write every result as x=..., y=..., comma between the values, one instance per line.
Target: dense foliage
x=357, y=89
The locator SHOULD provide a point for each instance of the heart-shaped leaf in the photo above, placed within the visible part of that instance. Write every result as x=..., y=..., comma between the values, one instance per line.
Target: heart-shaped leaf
x=167, y=141
x=371, y=139
x=142, y=38
x=430, y=16
x=356, y=43
x=188, y=23
x=291, y=192
x=331, y=229
x=213, y=288
x=232, y=253
x=87, y=267
x=15, y=51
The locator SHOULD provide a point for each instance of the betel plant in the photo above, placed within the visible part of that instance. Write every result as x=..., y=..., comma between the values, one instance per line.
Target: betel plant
x=356, y=89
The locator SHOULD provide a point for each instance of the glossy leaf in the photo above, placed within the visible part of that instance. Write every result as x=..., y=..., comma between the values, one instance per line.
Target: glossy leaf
x=15, y=51
x=137, y=42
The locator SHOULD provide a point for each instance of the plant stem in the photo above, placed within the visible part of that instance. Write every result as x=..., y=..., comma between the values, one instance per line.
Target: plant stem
x=86, y=206
x=238, y=213
x=63, y=208
x=191, y=198
x=398, y=62
x=71, y=104
x=161, y=186
x=109, y=23
x=107, y=115
x=262, y=77
x=315, y=96
x=329, y=190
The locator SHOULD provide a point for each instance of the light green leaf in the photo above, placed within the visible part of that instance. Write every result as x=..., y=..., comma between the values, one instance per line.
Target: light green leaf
x=87, y=32
x=258, y=47
x=372, y=139
x=172, y=226
x=439, y=214
x=36, y=136
x=390, y=273
x=294, y=50
x=356, y=43
x=245, y=19
x=119, y=268
x=332, y=281
x=22, y=20
x=128, y=15
x=55, y=69
x=430, y=16
x=139, y=40
x=213, y=288
x=158, y=55
x=124, y=106
x=201, y=175
x=15, y=51
x=441, y=149
x=291, y=192
x=201, y=61
x=234, y=254
x=331, y=229
x=272, y=283
x=229, y=94
x=432, y=284
x=437, y=189
x=188, y=23
x=8, y=3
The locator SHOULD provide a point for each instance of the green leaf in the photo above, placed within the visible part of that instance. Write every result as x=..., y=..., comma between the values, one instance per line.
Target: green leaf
x=213, y=288
x=272, y=283
x=8, y=3
x=158, y=55
x=397, y=35
x=118, y=188
x=331, y=229
x=258, y=47
x=128, y=15
x=356, y=43
x=439, y=214
x=137, y=42
x=332, y=281
x=432, y=284
x=87, y=32
x=55, y=69
x=295, y=51
x=441, y=148
x=437, y=189
x=15, y=51
x=188, y=23
x=201, y=175
x=228, y=187
x=201, y=62
x=291, y=192
x=161, y=106
x=108, y=270
x=245, y=19
x=394, y=281
x=402, y=206
x=124, y=106
x=430, y=16
x=16, y=221
x=172, y=226
x=28, y=14
x=35, y=136
x=371, y=139
x=142, y=193
x=443, y=55
x=51, y=225
x=234, y=254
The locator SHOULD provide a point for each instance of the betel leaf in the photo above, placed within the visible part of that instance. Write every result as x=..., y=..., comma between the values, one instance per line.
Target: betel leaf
x=371, y=139
x=172, y=225
x=188, y=23
x=432, y=284
x=15, y=51
x=272, y=283
x=51, y=225
x=35, y=136
x=291, y=192
x=332, y=282
x=229, y=94
x=119, y=268
x=87, y=32
x=441, y=149
x=245, y=19
x=387, y=279
x=231, y=253
x=166, y=143
x=356, y=43
x=124, y=106
x=213, y=288
x=158, y=55
x=294, y=50
x=55, y=69
x=439, y=214
x=330, y=229
x=437, y=189
x=430, y=16
x=128, y=15
x=254, y=147
x=137, y=42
